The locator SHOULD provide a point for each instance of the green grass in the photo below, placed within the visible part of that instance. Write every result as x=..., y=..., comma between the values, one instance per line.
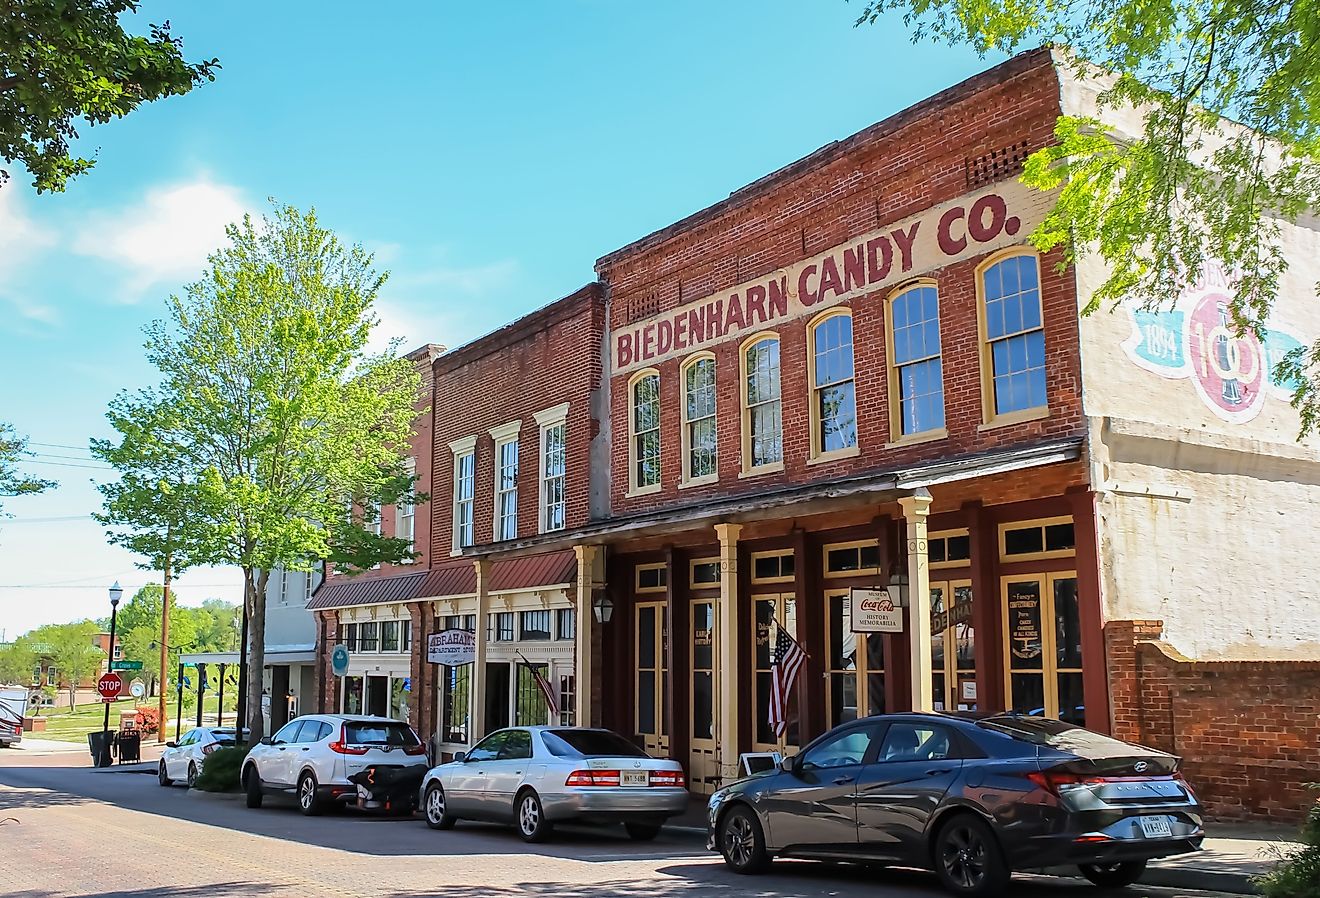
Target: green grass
x=64, y=725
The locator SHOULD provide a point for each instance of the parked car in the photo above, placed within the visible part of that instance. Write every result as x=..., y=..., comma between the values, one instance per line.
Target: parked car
x=314, y=757
x=535, y=777
x=973, y=797
x=183, y=760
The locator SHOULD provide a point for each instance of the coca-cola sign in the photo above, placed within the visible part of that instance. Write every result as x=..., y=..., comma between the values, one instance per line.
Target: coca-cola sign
x=873, y=611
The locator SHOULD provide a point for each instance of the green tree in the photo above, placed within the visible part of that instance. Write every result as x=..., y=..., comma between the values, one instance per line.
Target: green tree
x=1191, y=186
x=139, y=629
x=216, y=624
x=12, y=450
x=272, y=414
x=17, y=661
x=68, y=61
x=74, y=651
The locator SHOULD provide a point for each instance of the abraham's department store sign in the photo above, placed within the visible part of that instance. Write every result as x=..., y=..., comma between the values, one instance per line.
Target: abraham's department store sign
x=969, y=226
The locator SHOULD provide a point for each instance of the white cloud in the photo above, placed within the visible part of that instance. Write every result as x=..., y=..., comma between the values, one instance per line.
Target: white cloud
x=164, y=237
x=22, y=244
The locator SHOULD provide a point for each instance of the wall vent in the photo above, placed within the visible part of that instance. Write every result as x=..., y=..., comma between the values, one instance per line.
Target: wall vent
x=996, y=165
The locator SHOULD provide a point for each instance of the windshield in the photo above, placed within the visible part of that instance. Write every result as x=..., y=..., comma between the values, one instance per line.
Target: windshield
x=1052, y=733
x=589, y=744
x=397, y=734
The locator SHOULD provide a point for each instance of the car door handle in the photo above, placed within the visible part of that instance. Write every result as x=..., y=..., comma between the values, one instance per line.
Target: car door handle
x=308, y=748
x=841, y=780
x=935, y=772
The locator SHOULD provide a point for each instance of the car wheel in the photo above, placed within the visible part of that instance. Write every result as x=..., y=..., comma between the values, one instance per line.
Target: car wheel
x=742, y=842
x=1113, y=876
x=163, y=776
x=968, y=860
x=252, y=786
x=192, y=775
x=435, y=808
x=532, y=825
x=642, y=832
x=308, y=801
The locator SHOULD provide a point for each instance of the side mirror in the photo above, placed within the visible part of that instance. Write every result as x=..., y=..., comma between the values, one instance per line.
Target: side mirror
x=171, y=745
x=789, y=764
x=460, y=756
x=266, y=740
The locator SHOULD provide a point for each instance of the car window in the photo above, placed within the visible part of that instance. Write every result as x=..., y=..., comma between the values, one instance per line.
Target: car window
x=387, y=732
x=488, y=749
x=286, y=733
x=589, y=744
x=842, y=750
x=192, y=737
x=517, y=746
x=917, y=742
x=323, y=729
x=308, y=731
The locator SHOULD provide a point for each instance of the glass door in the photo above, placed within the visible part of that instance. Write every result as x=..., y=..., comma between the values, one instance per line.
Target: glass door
x=772, y=612
x=854, y=664
x=704, y=772
x=953, y=646
x=651, y=684
x=1042, y=630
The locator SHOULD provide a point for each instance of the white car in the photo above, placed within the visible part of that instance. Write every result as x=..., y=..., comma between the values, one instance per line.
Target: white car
x=535, y=777
x=314, y=756
x=183, y=760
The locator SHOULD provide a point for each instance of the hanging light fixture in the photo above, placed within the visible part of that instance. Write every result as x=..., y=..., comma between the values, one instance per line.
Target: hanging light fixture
x=603, y=608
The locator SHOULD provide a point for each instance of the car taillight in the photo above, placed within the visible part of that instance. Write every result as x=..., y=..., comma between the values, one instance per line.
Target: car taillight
x=593, y=778
x=1182, y=781
x=667, y=778
x=1053, y=782
x=207, y=749
x=417, y=749
x=341, y=746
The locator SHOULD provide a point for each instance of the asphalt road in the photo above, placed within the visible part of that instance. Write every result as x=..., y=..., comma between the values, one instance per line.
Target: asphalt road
x=79, y=831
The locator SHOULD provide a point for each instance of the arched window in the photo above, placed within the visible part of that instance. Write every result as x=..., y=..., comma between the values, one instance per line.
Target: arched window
x=700, y=455
x=1013, y=352
x=645, y=426
x=833, y=391
x=763, y=444
x=916, y=381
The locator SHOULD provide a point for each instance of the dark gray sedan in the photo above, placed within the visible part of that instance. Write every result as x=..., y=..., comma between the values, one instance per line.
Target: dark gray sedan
x=974, y=798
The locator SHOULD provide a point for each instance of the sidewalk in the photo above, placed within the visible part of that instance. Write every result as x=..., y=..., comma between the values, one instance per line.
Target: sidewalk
x=1231, y=855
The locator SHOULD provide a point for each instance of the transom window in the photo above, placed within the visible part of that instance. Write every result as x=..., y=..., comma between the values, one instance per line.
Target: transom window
x=949, y=549
x=645, y=425
x=917, y=377
x=535, y=624
x=850, y=559
x=652, y=577
x=501, y=626
x=834, y=399
x=699, y=437
x=773, y=567
x=565, y=623
x=1031, y=540
x=705, y=572
x=506, y=489
x=762, y=418
x=1014, y=335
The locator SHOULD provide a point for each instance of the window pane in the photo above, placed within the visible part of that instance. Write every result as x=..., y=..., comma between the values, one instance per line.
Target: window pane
x=1028, y=693
x=843, y=642
x=1024, y=625
x=1072, y=706
x=1023, y=541
x=921, y=396
x=535, y=625
x=1067, y=624
x=565, y=623
x=959, y=548
x=838, y=417
x=1013, y=326
x=1060, y=537
x=702, y=707
x=646, y=430
x=766, y=427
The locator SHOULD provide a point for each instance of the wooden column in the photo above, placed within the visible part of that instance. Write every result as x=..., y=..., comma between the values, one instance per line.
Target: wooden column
x=679, y=658
x=728, y=626
x=987, y=610
x=477, y=682
x=590, y=586
x=916, y=508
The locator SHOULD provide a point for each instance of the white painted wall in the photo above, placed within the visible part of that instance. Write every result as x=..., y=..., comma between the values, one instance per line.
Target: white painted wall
x=289, y=625
x=1209, y=512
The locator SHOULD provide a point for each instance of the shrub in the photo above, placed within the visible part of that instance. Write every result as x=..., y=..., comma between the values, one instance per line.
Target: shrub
x=220, y=771
x=148, y=719
x=1298, y=873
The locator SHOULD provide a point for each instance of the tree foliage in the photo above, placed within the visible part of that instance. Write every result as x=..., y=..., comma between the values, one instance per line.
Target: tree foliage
x=17, y=661
x=271, y=416
x=63, y=62
x=12, y=482
x=73, y=649
x=1192, y=185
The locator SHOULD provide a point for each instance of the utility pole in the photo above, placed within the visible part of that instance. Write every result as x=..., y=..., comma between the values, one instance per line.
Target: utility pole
x=165, y=636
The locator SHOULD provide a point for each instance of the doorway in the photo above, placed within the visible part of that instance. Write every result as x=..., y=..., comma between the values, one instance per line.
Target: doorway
x=953, y=646
x=702, y=764
x=378, y=696
x=772, y=612
x=651, y=682
x=1043, y=645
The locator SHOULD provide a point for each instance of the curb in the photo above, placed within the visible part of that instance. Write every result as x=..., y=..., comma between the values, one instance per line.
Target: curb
x=213, y=796
x=1168, y=877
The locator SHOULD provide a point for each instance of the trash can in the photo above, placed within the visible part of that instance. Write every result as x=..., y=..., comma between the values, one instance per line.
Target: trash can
x=99, y=742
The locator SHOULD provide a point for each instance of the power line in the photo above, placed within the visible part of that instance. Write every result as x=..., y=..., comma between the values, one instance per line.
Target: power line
x=65, y=464
x=188, y=586
x=66, y=517
x=58, y=446
x=57, y=455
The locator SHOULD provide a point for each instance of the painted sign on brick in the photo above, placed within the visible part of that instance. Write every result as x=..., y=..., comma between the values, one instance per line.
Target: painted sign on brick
x=969, y=226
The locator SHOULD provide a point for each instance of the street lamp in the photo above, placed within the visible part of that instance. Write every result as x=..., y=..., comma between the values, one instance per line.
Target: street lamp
x=116, y=593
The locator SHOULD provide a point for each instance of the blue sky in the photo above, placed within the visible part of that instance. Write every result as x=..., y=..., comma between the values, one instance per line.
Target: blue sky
x=487, y=153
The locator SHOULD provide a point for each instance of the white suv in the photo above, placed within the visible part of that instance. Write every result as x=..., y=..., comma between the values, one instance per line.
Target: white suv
x=314, y=756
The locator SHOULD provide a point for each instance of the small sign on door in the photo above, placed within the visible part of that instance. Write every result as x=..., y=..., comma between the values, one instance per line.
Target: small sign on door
x=873, y=611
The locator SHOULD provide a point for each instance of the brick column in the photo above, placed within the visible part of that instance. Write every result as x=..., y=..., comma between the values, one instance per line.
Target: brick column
x=1125, y=679
x=327, y=684
x=419, y=672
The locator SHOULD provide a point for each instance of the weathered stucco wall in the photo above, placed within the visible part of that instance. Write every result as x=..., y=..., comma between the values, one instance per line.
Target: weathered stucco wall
x=1209, y=507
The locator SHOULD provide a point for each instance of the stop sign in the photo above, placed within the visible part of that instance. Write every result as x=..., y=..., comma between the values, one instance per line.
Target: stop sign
x=110, y=685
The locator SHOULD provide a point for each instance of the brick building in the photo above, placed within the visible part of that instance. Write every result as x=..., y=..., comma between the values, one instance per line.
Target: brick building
x=852, y=403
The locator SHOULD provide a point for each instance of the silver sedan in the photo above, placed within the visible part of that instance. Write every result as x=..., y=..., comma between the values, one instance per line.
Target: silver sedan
x=535, y=777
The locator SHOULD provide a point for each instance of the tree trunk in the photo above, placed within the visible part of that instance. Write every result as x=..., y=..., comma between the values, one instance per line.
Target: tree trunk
x=73, y=696
x=255, y=590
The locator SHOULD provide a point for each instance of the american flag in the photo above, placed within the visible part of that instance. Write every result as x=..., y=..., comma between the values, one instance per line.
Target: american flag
x=785, y=664
x=551, y=700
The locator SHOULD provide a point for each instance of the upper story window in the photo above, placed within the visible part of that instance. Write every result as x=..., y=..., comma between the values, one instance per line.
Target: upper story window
x=553, y=486
x=833, y=390
x=506, y=480
x=405, y=513
x=534, y=624
x=465, y=482
x=1013, y=353
x=700, y=454
x=644, y=424
x=500, y=627
x=763, y=444
x=916, y=378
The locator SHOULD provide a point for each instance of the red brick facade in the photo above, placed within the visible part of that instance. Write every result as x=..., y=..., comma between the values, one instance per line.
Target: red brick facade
x=1248, y=730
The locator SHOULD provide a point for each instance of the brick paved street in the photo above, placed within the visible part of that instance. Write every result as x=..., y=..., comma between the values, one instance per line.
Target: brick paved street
x=78, y=831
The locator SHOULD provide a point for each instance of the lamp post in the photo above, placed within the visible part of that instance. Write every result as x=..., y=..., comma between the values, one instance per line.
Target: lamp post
x=116, y=593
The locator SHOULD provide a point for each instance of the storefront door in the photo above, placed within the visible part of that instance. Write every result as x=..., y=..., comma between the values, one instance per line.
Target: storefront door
x=1044, y=645
x=703, y=767
x=953, y=646
x=651, y=684
x=854, y=664
x=773, y=611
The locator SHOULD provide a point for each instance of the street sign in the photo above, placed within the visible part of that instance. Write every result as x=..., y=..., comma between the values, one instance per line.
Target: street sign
x=125, y=665
x=138, y=689
x=109, y=686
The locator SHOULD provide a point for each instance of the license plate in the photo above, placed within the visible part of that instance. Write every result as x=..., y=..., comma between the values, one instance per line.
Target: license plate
x=633, y=778
x=1156, y=827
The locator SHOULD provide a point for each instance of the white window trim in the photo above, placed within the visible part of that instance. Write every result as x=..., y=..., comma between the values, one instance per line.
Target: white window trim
x=503, y=436
x=546, y=420
x=460, y=448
